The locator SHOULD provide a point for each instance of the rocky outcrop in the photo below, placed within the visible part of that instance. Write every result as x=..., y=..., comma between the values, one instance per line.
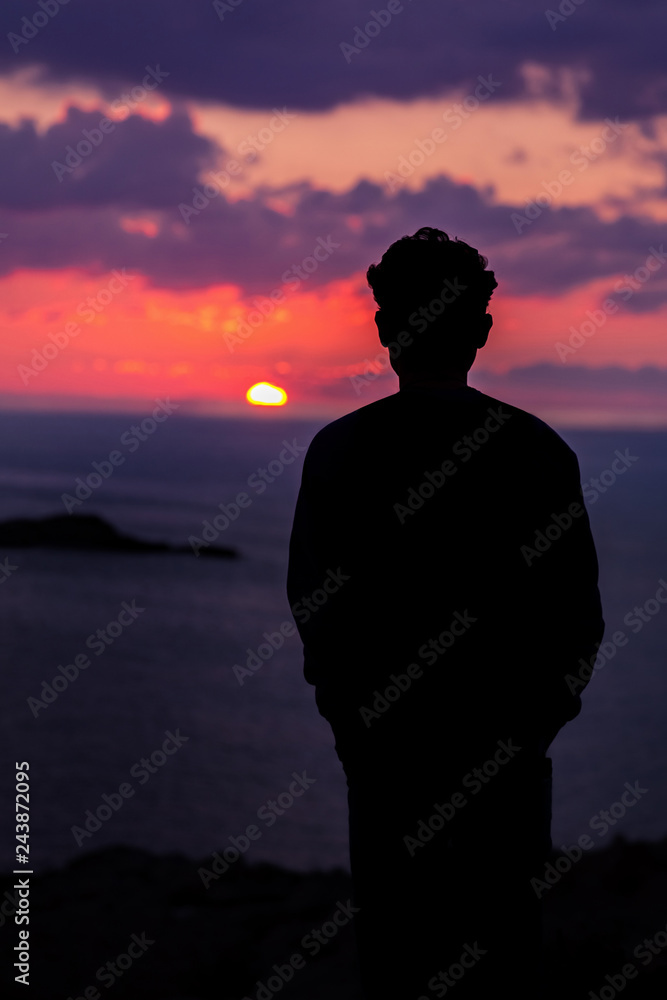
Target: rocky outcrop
x=89, y=533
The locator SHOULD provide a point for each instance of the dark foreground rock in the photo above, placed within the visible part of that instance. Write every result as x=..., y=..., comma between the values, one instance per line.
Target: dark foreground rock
x=89, y=533
x=222, y=942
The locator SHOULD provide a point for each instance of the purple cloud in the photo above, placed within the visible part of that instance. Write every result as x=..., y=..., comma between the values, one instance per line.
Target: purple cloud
x=249, y=243
x=256, y=53
x=89, y=160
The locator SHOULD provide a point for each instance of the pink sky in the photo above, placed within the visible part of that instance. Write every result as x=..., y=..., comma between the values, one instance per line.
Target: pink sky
x=582, y=280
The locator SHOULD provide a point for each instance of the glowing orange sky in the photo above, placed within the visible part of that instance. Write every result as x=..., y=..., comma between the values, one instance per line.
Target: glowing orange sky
x=148, y=341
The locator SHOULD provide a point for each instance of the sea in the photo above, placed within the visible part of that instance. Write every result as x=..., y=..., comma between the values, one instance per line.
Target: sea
x=161, y=742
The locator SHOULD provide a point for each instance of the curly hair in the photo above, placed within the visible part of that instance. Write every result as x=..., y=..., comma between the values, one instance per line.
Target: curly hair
x=414, y=269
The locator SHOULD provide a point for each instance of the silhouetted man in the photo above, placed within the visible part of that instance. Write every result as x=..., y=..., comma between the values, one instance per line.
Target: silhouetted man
x=442, y=546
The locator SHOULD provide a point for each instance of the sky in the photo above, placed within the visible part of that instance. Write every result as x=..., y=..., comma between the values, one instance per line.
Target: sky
x=191, y=193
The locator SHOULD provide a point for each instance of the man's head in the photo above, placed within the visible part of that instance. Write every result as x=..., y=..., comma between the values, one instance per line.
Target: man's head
x=438, y=291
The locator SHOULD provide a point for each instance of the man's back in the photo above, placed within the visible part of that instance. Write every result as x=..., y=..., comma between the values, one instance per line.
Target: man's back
x=426, y=505
x=443, y=578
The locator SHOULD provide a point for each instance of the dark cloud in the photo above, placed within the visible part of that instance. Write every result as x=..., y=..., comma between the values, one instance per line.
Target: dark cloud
x=647, y=300
x=517, y=155
x=259, y=53
x=574, y=393
x=204, y=239
x=570, y=376
x=132, y=163
x=554, y=376
x=552, y=389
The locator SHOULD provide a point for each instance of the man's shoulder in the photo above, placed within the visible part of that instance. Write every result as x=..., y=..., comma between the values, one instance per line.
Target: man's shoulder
x=352, y=428
x=343, y=430
x=538, y=431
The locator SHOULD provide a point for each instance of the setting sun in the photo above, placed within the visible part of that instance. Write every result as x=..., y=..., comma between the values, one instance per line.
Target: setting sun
x=266, y=394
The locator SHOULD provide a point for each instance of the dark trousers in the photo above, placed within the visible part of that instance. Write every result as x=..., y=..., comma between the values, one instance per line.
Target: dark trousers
x=451, y=909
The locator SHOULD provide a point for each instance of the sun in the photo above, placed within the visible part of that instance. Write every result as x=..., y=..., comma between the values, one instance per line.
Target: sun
x=266, y=394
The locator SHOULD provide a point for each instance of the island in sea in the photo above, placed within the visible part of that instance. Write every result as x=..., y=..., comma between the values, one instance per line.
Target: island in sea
x=90, y=533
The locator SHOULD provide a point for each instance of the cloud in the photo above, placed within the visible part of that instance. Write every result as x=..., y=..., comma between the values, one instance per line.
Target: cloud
x=608, y=378
x=154, y=168
x=258, y=54
x=572, y=397
x=130, y=163
x=66, y=196
x=544, y=375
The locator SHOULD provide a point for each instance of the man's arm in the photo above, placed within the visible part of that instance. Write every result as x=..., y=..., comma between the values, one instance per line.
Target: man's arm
x=561, y=582
x=316, y=578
